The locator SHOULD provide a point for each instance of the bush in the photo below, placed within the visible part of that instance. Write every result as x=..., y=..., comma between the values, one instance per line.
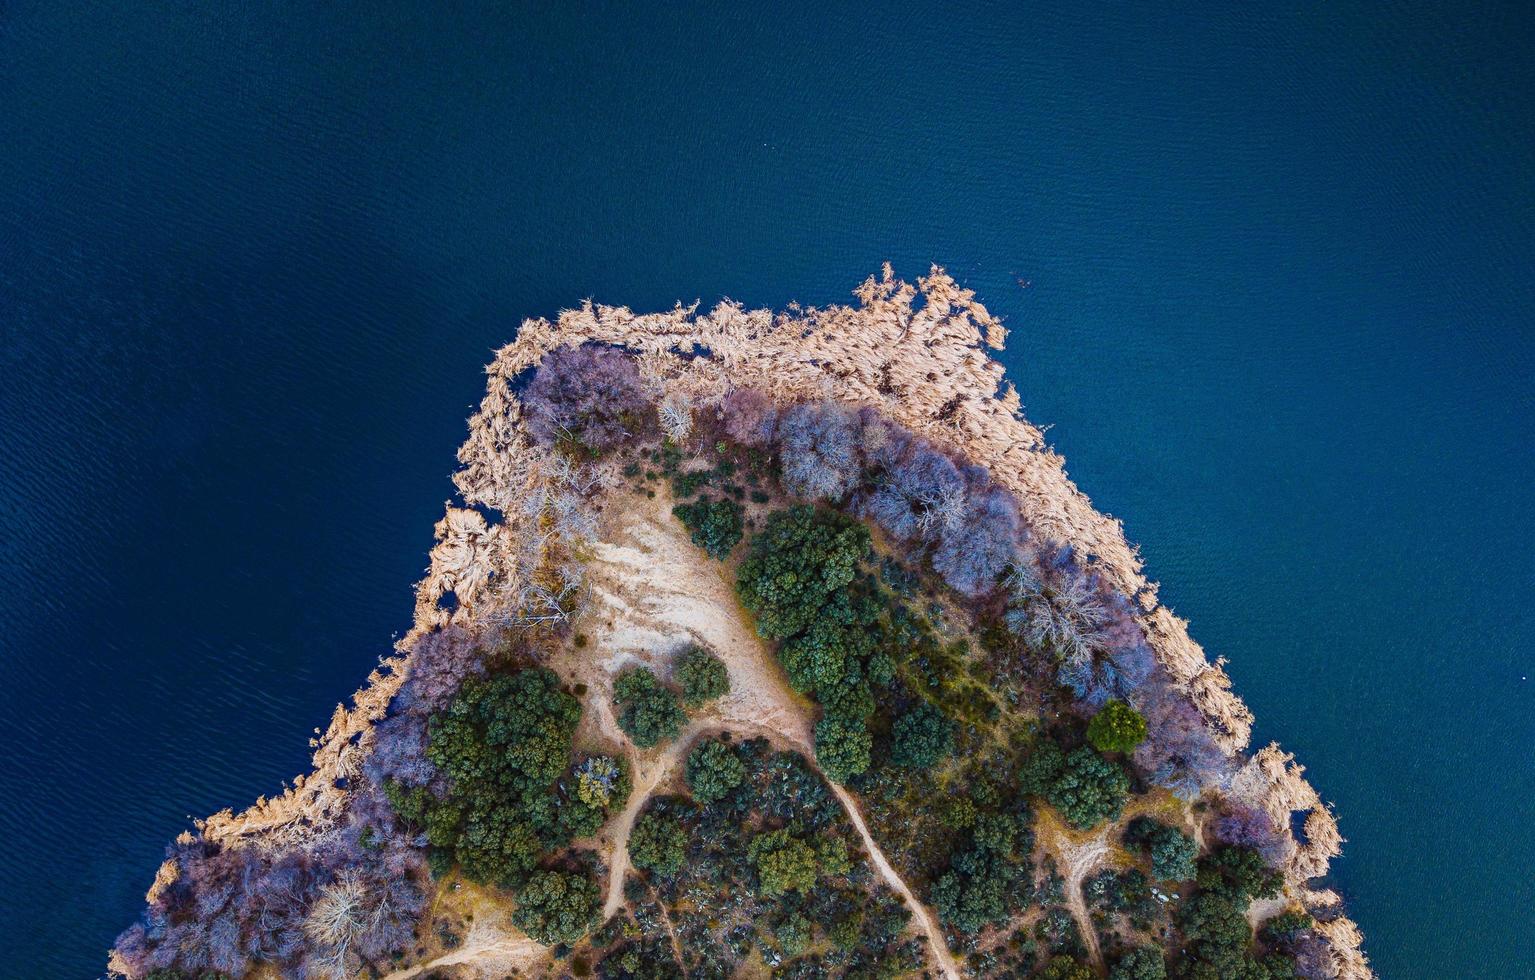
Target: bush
x=799, y=559
x=713, y=525
x=842, y=747
x=659, y=842
x=648, y=711
x=713, y=770
x=702, y=675
x=1173, y=852
x=1116, y=728
x=556, y=907
x=921, y=737
x=588, y=396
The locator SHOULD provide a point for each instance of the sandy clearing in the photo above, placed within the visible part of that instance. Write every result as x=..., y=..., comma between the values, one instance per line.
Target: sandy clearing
x=1077, y=855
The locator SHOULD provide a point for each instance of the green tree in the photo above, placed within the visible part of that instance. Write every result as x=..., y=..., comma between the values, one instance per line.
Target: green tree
x=1239, y=873
x=786, y=863
x=801, y=556
x=842, y=747
x=1141, y=963
x=713, y=770
x=648, y=711
x=921, y=737
x=793, y=934
x=659, y=842
x=1084, y=786
x=702, y=675
x=556, y=907
x=713, y=525
x=1116, y=728
x=976, y=890
x=1173, y=853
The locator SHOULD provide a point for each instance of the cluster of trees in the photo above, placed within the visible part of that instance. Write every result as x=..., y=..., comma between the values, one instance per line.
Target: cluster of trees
x=1219, y=940
x=786, y=861
x=797, y=580
x=983, y=878
x=651, y=712
x=1084, y=786
x=557, y=906
x=912, y=490
x=502, y=744
x=586, y=398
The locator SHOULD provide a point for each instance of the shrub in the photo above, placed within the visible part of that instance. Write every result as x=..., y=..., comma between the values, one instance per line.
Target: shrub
x=659, y=842
x=1173, y=853
x=556, y=907
x=842, y=747
x=793, y=934
x=702, y=675
x=921, y=737
x=648, y=711
x=799, y=559
x=589, y=395
x=713, y=770
x=713, y=525
x=1116, y=728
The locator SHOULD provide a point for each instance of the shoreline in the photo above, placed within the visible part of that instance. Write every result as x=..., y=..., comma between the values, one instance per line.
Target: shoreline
x=919, y=355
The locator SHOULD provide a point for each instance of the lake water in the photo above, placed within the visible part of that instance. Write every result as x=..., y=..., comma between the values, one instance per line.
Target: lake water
x=1278, y=309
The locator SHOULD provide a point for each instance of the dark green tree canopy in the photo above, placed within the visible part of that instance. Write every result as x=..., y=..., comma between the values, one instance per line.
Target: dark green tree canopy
x=1087, y=788
x=702, y=675
x=713, y=525
x=1172, y=851
x=921, y=737
x=556, y=907
x=503, y=742
x=799, y=559
x=713, y=770
x=659, y=841
x=648, y=711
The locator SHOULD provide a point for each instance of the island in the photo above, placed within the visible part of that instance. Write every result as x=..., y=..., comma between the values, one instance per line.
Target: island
x=770, y=643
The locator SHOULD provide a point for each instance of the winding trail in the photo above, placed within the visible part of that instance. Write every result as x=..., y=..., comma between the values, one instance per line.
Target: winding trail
x=1078, y=856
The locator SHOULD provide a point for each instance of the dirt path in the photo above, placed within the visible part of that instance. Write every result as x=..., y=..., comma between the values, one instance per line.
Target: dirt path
x=492, y=946
x=924, y=917
x=1077, y=857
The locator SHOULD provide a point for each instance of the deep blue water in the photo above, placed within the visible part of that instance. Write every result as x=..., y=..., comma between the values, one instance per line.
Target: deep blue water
x=253, y=256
